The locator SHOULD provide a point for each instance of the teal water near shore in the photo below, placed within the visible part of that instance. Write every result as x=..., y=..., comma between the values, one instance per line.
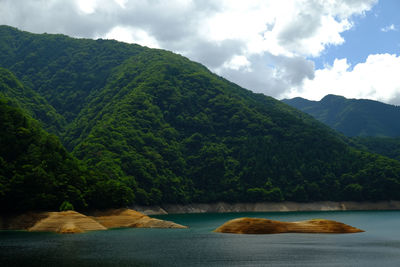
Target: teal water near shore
x=199, y=246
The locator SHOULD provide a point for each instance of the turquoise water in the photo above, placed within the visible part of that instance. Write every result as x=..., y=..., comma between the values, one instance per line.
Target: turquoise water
x=199, y=246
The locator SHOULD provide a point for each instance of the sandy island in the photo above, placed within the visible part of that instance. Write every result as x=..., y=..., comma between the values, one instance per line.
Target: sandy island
x=66, y=222
x=265, y=226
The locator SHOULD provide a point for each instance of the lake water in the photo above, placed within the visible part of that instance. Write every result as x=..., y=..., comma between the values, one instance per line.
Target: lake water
x=199, y=246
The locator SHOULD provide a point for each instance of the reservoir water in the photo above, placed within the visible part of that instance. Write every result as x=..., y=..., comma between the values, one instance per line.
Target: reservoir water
x=199, y=246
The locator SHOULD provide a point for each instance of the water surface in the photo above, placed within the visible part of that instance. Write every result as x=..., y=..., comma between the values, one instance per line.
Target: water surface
x=199, y=246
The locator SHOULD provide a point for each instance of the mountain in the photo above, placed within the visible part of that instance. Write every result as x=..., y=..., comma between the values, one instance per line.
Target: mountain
x=352, y=117
x=171, y=131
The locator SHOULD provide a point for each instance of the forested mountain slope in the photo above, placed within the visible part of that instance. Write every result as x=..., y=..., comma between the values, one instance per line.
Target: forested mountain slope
x=26, y=98
x=387, y=146
x=352, y=117
x=173, y=132
x=37, y=172
x=61, y=69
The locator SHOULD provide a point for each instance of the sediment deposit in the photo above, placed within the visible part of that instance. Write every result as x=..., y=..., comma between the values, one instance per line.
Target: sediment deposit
x=70, y=222
x=131, y=218
x=265, y=226
x=66, y=222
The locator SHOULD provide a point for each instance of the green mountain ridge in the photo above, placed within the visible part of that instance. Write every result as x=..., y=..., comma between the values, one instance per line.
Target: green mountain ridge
x=30, y=101
x=51, y=63
x=352, y=117
x=168, y=130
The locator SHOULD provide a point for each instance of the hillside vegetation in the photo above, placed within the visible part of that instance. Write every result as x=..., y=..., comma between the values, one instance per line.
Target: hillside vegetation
x=389, y=147
x=153, y=126
x=36, y=171
x=352, y=117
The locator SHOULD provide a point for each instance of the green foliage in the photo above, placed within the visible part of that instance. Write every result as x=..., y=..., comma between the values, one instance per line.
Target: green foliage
x=151, y=127
x=29, y=100
x=389, y=147
x=261, y=194
x=110, y=193
x=66, y=206
x=37, y=172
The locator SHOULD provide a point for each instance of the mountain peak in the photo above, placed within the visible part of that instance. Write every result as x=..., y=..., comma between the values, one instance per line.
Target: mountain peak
x=332, y=97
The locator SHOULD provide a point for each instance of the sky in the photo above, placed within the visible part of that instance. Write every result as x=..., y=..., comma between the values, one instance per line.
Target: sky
x=284, y=49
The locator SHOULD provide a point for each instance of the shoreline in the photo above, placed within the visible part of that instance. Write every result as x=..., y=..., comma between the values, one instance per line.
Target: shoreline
x=286, y=206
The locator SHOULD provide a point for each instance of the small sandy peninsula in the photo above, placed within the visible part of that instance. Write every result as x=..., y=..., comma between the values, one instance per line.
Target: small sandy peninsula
x=265, y=226
x=66, y=222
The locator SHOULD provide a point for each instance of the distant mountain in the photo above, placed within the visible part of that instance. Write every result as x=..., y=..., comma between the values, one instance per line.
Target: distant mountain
x=352, y=117
x=155, y=124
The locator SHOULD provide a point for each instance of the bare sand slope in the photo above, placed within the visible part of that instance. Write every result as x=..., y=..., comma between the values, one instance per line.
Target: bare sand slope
x=130, y=218
x=66, y=222
x=265, y=226
x=73, y=222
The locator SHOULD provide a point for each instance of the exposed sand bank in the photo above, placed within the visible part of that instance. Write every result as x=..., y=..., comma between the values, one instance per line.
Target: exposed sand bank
x=221, y=207
x=131, y=218
x=74, y=222
x=66, y=222
x=265, y=226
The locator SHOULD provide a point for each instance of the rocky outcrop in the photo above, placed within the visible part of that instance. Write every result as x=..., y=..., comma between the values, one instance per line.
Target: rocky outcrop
x=265, y=226
x=131, y=218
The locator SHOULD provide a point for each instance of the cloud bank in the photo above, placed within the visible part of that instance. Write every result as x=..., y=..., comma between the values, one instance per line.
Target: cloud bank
x=376, y=78
x=265, y=46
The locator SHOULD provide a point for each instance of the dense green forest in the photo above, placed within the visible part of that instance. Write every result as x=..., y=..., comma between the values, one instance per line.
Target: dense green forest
x=148, y=126
x=352, y=117
x=389, y=147
x=36, y=171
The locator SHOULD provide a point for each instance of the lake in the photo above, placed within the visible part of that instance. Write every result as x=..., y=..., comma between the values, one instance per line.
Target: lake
x=199, y=246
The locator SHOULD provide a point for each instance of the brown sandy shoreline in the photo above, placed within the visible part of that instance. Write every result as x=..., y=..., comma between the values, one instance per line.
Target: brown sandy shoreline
x=66, y=222
x=222, y=207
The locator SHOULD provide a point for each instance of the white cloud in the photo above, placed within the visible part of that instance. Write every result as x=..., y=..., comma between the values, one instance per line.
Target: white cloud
x=132, y=35
x=389, y=28
x=376, y=78
x=238, y=63
x=87, y=6
x=122, y=3
x=291, y=27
